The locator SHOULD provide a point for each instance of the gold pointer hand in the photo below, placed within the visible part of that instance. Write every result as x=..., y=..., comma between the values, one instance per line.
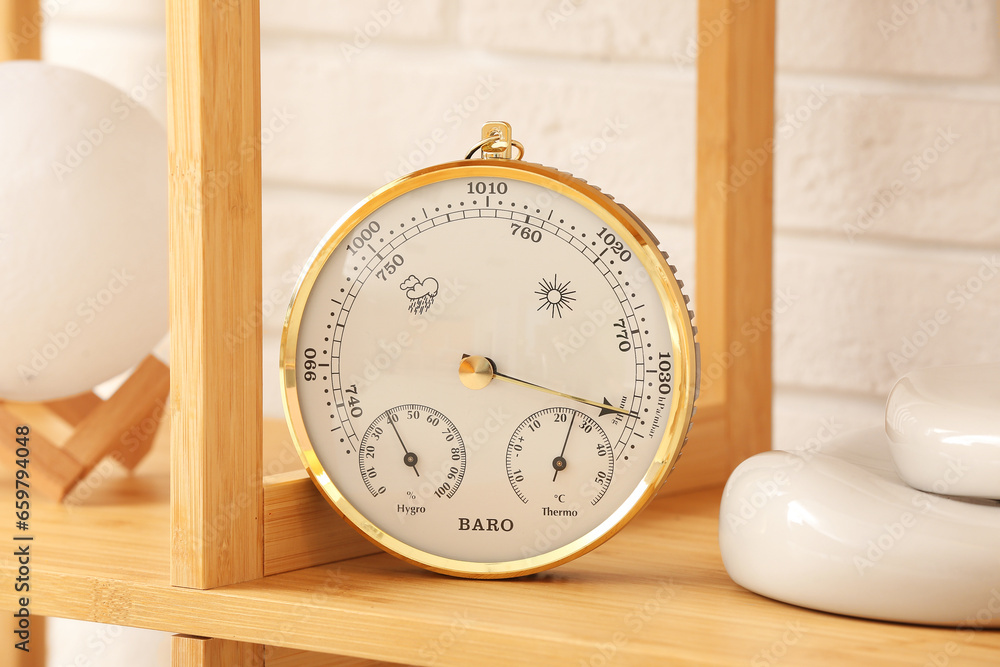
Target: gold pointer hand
x=476, y=372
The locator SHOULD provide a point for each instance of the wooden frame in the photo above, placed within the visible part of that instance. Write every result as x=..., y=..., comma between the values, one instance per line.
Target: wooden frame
x=21, y=29
x=213, y=66
x=225, y=515
x=733, y=223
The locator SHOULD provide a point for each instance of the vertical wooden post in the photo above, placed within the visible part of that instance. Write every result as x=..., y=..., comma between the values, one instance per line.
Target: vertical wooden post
x=20, y=30
x=21, y=38
x=201, y=652
x=733, y=215
x=213, y=65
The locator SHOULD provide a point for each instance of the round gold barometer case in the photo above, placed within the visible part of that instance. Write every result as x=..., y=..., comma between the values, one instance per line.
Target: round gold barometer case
x=488, y=366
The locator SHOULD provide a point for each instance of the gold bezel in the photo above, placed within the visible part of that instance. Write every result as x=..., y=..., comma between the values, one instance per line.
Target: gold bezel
x=642, y=244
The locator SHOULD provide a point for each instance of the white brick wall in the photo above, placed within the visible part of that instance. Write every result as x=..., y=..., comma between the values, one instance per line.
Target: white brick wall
x=887, y=168
x=615, y=31
x=347, y=133
x=886, y=162
x=918, y=38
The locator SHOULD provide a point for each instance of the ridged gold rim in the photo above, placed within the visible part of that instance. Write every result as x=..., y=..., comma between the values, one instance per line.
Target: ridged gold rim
x=642, y=244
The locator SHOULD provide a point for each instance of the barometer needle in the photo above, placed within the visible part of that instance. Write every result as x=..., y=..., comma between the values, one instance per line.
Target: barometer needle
x=409, y=458
x=476, y=372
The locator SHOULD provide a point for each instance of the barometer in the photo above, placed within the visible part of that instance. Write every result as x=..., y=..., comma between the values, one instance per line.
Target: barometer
x=488, y=366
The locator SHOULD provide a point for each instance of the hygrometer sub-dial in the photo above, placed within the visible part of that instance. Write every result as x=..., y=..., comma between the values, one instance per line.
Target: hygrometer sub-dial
x=560, y=457
x=412, y=454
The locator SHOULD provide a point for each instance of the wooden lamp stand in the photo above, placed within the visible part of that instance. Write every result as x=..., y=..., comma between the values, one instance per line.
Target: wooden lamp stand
x=70, y=437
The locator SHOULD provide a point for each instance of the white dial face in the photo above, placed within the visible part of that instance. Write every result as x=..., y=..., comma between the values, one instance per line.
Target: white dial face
x=548, y=443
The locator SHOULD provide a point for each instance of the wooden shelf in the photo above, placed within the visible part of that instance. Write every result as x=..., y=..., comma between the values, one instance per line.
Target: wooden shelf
x=656, y=594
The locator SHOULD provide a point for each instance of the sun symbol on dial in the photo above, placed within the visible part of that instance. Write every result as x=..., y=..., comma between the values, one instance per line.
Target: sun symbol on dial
x=555, y=295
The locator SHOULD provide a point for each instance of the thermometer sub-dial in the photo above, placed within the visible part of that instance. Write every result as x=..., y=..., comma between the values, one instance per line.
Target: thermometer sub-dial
x=560, y=455
x=412, y=454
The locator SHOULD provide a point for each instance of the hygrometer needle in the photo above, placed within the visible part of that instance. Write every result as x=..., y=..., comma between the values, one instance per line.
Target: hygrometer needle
x=409, y=458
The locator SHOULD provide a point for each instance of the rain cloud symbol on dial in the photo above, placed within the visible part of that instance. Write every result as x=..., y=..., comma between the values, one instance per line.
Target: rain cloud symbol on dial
x=421, y=293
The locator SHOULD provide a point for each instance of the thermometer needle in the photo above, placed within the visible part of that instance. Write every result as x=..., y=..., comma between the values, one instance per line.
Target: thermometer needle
x=409, y=458
x=559, y=462
x=476, y=372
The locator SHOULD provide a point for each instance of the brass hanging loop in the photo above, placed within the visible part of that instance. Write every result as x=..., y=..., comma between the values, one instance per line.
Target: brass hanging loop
x=497, y=143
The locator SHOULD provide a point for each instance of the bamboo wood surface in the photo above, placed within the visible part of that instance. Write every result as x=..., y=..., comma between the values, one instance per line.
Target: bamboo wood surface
x=188, y=651
x=655, y=594
x=13, y=657
x=115, y=426
x=275, y=656
x=733, y=222
x=703, y=463
x=301, y=528
x=74, y=409
x=213, y=63
x=53, y=471
x=43, y=419
x=20, y=30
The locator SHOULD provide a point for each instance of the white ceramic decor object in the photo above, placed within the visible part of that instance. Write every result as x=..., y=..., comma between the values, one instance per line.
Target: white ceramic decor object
x=943, y=425
x=840, y=532
x=83, y=231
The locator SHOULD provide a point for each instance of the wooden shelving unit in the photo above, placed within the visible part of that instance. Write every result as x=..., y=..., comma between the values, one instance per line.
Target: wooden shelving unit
x=249, y=569
x=657, y=594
